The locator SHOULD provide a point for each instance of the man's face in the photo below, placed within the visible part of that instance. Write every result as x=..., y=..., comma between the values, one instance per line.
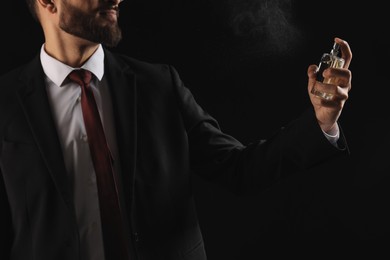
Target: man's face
x=93, y=20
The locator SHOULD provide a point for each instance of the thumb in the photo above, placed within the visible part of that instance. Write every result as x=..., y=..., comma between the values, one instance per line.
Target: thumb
x=311, y=74
x=311, y=71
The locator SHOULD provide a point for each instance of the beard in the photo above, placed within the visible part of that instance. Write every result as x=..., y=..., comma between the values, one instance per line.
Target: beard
x=87, y=26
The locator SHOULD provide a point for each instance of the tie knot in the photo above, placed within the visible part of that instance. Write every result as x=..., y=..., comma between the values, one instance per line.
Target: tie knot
x=81, y=77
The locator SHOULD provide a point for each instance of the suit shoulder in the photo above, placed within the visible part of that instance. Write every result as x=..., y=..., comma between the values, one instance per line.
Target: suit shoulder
x=8, y=82
x=14, y=75
x=10, y=76
x=7, y=96
x=143, y=67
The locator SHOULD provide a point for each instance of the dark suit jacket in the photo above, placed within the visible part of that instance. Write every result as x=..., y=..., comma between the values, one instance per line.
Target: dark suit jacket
x=163, y=136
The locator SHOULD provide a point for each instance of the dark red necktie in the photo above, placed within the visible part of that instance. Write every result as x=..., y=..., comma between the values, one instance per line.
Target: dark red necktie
x=115, y=244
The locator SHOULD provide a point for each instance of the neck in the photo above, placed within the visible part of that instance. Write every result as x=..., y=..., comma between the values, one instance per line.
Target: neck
x=70, y=50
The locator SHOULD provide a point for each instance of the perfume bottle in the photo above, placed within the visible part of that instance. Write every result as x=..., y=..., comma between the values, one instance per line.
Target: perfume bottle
x=328, y=60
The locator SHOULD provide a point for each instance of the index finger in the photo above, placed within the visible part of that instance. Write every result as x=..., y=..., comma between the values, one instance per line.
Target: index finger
x=346, y=52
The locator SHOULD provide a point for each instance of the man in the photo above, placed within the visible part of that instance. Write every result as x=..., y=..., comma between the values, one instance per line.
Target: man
x=50, y=193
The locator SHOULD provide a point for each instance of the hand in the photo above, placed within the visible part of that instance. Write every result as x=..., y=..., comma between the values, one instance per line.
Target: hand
x=328, y=111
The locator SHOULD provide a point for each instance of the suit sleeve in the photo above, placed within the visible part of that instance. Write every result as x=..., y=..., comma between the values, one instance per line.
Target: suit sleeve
x=5, y=222
x=253, y=167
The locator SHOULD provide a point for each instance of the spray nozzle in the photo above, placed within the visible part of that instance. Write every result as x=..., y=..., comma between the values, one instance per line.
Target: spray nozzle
x=335, y=49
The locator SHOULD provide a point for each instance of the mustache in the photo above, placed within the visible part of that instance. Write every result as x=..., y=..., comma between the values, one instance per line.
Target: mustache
x=109, y=8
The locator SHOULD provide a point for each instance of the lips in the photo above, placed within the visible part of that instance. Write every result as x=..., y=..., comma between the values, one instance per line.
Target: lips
x=111, y=14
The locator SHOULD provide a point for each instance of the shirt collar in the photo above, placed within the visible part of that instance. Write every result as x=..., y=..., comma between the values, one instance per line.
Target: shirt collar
x=57, y=71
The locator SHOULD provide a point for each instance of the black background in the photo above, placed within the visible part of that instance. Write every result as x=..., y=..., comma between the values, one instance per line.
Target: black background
x=245, y=62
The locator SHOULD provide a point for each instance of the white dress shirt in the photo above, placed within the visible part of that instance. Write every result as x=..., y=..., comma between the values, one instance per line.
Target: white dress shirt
x=64, y=97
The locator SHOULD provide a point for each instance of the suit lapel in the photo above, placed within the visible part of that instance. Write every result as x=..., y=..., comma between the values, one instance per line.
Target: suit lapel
x=123, y=91
x=33, y=99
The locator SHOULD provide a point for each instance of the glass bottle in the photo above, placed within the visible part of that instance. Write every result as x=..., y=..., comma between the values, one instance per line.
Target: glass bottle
x=328, y=60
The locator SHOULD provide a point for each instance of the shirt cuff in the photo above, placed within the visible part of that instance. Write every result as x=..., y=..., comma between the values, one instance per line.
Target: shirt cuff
x=333, y=138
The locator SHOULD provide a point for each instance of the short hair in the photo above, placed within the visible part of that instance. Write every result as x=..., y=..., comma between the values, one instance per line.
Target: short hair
x=31, y=4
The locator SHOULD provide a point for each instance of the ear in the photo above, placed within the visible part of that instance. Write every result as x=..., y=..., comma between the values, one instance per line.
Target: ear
x=47, y=4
